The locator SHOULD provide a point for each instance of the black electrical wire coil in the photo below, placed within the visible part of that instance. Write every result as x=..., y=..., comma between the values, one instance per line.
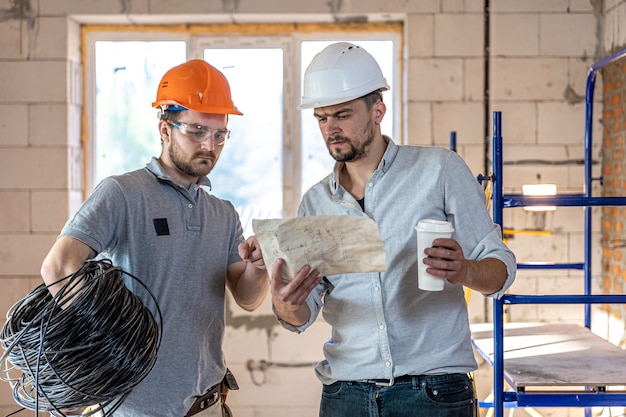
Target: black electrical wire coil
x=83, y=349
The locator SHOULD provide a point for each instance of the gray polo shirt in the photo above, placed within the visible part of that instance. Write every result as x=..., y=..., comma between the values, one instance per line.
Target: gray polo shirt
x=179, y=242
x=383, y=326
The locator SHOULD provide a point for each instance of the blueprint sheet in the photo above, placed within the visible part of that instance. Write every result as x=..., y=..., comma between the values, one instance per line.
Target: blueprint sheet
x=332, y=244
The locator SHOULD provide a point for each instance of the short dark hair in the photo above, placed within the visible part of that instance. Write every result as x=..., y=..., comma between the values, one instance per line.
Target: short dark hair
x=169, y=115
x=372, y=98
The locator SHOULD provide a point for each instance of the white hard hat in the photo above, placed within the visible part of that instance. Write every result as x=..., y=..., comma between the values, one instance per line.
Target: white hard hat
x=341, y=72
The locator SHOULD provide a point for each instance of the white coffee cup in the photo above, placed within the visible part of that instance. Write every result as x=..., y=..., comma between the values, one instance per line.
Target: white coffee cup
x=427, y=231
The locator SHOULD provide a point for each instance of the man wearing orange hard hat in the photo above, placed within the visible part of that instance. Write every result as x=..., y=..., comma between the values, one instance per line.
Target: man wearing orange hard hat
x=162, y=225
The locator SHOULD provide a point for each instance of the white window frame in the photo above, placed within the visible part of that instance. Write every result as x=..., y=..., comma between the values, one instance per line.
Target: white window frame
x=290, y=43
x=291, y=149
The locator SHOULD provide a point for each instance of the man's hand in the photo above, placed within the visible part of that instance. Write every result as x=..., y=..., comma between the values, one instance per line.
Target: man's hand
x=248, y=280
x=447, y=261
x=250, y=252
x=289, y=298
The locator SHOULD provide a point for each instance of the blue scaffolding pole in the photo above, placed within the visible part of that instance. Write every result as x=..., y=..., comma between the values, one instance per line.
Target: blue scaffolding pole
x=594, y=397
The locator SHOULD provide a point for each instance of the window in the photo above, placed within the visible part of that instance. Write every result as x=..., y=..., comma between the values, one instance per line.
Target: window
x=275, y=152
x=250, y=170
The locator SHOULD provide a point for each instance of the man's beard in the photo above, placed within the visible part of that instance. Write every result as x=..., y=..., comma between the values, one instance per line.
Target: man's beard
x=187, y=166
x=354, y=153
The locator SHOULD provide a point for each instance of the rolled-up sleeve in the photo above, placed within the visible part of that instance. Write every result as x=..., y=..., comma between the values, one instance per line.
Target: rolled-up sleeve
x=477, y=234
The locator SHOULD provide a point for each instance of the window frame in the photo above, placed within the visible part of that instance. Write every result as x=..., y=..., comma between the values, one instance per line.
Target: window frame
x=288, y=37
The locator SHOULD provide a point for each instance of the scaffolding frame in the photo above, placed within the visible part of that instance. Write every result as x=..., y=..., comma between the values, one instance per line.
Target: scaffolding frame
x=596, y=396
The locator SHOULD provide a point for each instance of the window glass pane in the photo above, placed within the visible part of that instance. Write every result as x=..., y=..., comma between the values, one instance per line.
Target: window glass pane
x=316, y=161
x=249, y=171
x=127, y=76
x=251, y=167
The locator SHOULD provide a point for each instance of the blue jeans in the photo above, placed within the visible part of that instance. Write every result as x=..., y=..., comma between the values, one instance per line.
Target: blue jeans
x=414, y=396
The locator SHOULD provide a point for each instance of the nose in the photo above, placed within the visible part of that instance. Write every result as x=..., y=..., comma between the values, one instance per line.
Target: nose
x=208, y=143
x=332, y=126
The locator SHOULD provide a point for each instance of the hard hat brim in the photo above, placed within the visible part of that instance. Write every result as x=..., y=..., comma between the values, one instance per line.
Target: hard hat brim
x=343, y=97
x=173, y=105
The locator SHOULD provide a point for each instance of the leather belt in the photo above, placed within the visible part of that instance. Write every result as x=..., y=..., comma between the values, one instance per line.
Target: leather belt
x=389, y=382
x=209, y=399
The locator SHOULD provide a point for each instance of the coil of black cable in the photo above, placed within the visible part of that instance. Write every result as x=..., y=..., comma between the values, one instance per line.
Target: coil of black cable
x=83, y=349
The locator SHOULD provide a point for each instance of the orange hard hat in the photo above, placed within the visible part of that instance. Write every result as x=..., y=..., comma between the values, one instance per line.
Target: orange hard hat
x=195, y=85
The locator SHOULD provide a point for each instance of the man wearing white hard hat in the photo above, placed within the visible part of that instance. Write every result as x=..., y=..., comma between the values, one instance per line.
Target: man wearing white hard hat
x=395, y=350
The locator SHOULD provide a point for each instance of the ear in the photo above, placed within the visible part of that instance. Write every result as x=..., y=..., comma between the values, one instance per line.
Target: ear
x=379, y=112
x=165, y=131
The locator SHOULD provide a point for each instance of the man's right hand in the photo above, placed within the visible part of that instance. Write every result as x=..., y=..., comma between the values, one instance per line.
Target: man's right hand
x=289, y=298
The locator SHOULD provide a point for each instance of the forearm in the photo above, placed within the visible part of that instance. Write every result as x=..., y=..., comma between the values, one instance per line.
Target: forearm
x=251, y=287
x=66, y=256
x=485, y=276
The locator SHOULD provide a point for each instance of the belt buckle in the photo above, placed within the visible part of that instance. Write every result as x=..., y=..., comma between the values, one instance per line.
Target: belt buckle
x=209, y=401
x=383, y=382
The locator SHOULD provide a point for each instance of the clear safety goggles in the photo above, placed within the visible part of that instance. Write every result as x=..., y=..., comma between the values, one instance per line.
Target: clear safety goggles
x=198, y=133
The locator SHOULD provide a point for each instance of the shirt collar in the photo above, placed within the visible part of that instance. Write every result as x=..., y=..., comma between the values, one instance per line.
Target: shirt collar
x=156, y=168
x=383, y=165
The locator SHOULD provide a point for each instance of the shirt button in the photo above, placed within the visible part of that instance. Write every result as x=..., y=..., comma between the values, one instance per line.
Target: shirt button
x=371, y=184
x=376, y=288
x=190, y=206
x=381, y=326
x=388, y=364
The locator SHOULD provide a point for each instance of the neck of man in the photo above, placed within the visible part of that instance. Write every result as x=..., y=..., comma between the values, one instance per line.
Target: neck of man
x=355, y=174
x=177, y=175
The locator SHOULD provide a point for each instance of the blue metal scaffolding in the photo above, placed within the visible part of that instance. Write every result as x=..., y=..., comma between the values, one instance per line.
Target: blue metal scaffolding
x=596, y=396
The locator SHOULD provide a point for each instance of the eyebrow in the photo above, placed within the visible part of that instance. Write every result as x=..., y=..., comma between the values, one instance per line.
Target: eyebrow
x=334, y=114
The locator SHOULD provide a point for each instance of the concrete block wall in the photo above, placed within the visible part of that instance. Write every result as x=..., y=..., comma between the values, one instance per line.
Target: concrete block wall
x=612, y=321
x=539, y=56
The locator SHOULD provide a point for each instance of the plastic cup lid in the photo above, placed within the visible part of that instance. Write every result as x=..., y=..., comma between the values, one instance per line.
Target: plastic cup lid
x=431, y=225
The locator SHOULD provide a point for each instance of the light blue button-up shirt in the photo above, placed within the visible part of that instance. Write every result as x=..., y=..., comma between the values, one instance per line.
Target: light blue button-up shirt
x=383, y=326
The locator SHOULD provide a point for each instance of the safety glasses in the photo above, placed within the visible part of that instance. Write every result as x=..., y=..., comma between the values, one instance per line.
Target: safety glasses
x=198, y=133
